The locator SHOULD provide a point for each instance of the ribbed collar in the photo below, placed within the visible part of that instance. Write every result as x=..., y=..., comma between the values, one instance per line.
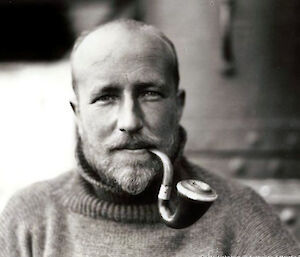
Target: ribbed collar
x=88, y=195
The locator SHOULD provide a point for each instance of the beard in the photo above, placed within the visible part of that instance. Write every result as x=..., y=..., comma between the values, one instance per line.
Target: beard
x=133, y=178
x=130, y=175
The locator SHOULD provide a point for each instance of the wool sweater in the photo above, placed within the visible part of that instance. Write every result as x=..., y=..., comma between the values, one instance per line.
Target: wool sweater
x=77, y=215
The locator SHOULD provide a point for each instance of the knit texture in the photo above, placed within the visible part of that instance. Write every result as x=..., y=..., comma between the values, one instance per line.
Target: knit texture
x=76, y=214
x=64, y=217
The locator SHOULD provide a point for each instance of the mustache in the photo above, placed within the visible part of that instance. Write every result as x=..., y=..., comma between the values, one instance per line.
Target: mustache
x=133, y=142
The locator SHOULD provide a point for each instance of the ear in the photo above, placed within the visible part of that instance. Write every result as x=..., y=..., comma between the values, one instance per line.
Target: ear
x=75, y=107
x=180, y=103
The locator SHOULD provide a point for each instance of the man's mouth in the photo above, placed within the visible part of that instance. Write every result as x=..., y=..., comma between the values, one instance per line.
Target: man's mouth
x=137, y=148
x=136, y=151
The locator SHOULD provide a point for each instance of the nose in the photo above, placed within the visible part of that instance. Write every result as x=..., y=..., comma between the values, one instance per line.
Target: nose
x=130, y=116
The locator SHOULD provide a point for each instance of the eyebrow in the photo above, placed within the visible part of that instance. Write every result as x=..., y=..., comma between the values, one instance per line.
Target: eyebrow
x=144, y=85
x=117, y=88
x=111, y=88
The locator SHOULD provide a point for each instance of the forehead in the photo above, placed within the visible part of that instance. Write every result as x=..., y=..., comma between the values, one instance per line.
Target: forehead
x=118, y=54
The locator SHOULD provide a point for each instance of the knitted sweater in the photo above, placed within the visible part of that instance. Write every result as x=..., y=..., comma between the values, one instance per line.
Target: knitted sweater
x=67, y=216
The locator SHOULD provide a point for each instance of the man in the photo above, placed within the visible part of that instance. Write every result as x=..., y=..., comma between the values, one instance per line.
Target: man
x=125, y=77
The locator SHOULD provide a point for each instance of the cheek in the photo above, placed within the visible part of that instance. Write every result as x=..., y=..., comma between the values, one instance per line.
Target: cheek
x=162, y=119
x=97, y=123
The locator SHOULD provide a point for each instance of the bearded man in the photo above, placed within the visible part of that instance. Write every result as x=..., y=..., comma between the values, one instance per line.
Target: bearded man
x=125, y=78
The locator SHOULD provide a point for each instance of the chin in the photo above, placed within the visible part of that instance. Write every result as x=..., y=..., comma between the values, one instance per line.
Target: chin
x=134, y=178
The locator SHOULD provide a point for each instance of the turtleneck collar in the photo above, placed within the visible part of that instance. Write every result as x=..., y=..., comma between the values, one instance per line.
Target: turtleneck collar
x=88, y=195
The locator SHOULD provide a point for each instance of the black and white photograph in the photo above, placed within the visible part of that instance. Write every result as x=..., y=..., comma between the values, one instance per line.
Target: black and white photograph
x=149, y=128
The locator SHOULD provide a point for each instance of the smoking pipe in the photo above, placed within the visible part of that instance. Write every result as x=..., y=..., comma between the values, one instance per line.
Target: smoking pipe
x=194, y=197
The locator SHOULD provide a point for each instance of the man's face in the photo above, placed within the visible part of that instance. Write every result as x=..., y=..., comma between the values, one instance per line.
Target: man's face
x=127, y=104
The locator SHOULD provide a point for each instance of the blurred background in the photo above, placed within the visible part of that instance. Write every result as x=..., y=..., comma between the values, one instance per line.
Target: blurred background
x=239, y=63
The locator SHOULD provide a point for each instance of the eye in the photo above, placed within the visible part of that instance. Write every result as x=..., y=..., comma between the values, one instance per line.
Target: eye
x=105, y=99
x=151, y=95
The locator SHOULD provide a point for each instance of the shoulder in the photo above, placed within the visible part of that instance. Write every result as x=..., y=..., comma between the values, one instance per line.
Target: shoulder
x=31, y=201
x=27, y=213
x=228, y=189
x=235, y=198
x=237, y=203
x=244, y=216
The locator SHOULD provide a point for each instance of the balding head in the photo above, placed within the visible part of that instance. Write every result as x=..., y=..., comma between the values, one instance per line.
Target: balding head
x=111, y=39
x=125, y=76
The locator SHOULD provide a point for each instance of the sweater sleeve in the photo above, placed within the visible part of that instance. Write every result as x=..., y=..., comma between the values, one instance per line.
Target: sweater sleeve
x=261, y=232
x=15, y=234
